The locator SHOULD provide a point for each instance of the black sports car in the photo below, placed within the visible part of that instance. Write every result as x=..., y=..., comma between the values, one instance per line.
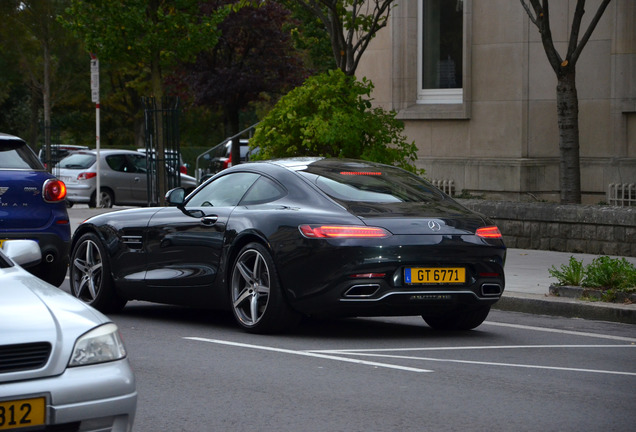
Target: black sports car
x=276, y=240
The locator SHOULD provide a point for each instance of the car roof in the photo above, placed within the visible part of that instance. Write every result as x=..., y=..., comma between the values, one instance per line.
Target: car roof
x=7, y=137
x=111, y=151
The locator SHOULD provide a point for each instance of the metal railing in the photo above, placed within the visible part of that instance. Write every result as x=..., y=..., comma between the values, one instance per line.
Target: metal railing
x=446, y=186
x=621, y=194
x=199, y=171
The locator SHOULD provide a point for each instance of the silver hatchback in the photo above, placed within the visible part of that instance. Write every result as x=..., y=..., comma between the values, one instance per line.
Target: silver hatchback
x=123, y=177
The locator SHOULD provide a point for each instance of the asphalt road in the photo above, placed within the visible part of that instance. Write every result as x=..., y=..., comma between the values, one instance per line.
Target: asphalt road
x=197, y=371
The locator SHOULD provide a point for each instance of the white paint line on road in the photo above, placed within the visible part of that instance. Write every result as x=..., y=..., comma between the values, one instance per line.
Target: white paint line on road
x=308, y=354
x=461, y=348
x=570, y=332
x=492, y=363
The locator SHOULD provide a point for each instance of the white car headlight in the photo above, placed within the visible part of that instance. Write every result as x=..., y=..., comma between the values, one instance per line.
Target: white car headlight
x=102, y=344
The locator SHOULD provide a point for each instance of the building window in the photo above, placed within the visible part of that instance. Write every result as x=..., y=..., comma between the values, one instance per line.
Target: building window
x=440, y=51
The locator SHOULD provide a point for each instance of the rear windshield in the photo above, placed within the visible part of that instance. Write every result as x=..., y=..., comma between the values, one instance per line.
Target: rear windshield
x=371, y=184
x=77, y=161
x=16, y=154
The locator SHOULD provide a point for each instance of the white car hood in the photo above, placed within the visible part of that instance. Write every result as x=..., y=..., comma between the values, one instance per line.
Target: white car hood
x=33, y=311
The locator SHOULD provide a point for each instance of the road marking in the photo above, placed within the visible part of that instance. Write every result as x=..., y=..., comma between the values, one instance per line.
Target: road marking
x=570, y=332
x=459, y=348
x=309, y=354
x=492, y=363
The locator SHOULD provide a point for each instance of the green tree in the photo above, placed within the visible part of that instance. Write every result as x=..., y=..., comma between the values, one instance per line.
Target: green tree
x=331, y=115
x=151, y=34
x=41, y=71
x=566, y=94
x=351, y=25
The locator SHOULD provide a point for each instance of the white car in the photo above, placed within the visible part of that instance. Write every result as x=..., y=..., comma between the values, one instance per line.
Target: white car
x=63, y=365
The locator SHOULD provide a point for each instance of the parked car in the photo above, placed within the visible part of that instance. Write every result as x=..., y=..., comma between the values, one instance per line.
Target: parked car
x=32, y=206
x=275, y=240
x=63, y=365
x=123, y=178
x=58, y=152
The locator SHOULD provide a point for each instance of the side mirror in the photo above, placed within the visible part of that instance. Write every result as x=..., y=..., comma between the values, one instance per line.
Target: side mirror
x=25, y=253
x=175, y=197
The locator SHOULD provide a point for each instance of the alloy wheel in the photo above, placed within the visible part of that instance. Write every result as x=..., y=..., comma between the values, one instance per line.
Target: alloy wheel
x=87, y=272
x=250, y=287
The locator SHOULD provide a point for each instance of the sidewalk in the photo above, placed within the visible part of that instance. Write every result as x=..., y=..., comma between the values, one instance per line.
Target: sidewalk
x=527, y=282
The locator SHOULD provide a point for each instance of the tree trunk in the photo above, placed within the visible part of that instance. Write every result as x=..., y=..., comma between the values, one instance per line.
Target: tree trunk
x=568, y=121
x=46, y=99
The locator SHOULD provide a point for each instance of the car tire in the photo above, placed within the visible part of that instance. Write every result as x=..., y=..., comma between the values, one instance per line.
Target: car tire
x=258, y=303
x=91, y=280
x=458, y=320
x=107, y=200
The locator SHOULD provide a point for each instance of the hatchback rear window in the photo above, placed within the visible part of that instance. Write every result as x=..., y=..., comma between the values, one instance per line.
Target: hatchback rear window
x=77, y=161
x=16, y=154
x=375, y=184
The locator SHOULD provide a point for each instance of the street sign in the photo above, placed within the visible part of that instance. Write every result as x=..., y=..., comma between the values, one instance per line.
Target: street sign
x=95, y=80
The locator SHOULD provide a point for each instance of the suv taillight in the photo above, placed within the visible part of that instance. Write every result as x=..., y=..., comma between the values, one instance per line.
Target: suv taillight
x=54, y=190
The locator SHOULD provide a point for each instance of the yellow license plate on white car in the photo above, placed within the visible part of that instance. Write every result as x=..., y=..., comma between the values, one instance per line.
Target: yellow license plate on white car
x=435, y=275
x=22, y=413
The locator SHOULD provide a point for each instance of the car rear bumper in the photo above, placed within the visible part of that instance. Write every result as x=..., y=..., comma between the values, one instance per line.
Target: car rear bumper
x=94, y=398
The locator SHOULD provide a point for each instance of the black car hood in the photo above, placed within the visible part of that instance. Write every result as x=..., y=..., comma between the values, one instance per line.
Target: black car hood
x=445, y=217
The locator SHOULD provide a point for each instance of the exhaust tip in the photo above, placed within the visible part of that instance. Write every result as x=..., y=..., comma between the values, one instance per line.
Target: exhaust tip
x=491, y=289
x=362, y=291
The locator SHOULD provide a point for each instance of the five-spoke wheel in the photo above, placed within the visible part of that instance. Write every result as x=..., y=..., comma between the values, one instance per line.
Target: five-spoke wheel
x=257, y=299
x=90, y=276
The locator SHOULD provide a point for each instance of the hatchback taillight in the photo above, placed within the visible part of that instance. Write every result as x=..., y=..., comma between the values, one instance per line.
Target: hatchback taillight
x=228, y=162
x=86, y=175
x=54, y=190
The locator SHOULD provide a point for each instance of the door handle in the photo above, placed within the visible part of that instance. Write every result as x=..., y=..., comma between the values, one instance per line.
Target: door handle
x=209, y=220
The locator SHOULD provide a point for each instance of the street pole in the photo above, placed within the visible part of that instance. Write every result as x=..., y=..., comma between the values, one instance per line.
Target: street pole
x=95, y=98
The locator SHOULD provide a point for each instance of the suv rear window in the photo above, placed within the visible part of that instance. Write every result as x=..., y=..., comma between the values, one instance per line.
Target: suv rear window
x=16, y=154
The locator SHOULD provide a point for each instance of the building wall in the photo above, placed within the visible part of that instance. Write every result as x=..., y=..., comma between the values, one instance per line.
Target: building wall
x=502, y=141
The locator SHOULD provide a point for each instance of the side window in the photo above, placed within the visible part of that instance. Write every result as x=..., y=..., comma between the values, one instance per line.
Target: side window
x=262, y=191
x=117, y=162
x=138, y=163
x=224, y=191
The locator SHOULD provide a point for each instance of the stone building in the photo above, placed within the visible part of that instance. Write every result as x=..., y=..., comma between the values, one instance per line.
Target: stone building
x=472, y=83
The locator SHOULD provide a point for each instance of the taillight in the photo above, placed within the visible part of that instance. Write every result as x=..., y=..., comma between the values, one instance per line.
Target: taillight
x=342, y=231
x=183, y=169
x=86, y=175
x=491, y=232
x=54, y=190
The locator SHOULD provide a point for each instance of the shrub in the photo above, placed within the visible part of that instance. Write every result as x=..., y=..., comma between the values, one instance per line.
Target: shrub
x=331, y=115
x=610, y=273
x=571, y=274
x=604, y=272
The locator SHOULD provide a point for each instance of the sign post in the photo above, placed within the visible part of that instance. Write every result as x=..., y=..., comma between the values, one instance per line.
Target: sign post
x=95, y=98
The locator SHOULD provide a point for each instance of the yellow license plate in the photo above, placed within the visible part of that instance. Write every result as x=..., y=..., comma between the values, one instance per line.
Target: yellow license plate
x=22, y=413
x=434, y=275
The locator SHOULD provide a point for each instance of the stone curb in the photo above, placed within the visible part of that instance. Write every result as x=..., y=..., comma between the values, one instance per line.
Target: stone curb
x=566, y=307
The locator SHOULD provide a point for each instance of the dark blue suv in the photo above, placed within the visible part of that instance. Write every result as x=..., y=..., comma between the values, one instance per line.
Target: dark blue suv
x=33, y=206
